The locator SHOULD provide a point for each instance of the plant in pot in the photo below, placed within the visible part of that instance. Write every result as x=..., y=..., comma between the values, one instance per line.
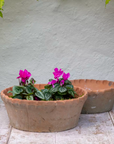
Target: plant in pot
x=44, y=108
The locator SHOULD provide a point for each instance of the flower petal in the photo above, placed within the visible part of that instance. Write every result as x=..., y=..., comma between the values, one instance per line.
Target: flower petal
x=18, y=77
x=66, y=76
x=57, y=73
x=24, y=75
x=56, y=69
x=49, y=83
x=62, y=82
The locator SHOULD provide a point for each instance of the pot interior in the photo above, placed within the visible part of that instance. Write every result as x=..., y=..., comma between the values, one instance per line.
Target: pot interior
x=92, y=85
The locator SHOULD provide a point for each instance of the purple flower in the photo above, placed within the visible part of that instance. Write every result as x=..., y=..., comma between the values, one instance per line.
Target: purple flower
x=57, y=73
x=62, y=82
x=66, y=76
x=24, y=75
x=36, y=98
x=52, y=82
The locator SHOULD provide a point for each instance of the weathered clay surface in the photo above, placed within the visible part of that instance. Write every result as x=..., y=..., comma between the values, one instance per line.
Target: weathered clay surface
x=100, y=95
x=4, y=125
x=44, y=116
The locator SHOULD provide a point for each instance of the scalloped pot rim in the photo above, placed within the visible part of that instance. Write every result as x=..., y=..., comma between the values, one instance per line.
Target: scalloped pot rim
x=95, y=91
x=35, y=102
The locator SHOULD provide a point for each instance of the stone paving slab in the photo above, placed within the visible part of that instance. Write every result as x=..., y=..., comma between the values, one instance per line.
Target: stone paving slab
x=4, y=125
x=112, y=115
x=22, y=137
x=91, y=129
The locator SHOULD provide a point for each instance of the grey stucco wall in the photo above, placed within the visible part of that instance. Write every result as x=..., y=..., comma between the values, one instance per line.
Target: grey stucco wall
x=75, y=35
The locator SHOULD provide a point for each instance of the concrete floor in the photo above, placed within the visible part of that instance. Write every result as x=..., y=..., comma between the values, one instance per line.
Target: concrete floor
x=91, y=129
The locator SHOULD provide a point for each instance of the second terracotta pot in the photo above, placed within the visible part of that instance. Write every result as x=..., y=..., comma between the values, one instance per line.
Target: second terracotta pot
x=100, y=95
x=44, y=116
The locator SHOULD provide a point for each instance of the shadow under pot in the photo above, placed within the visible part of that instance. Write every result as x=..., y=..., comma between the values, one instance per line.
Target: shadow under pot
x=44, y=116
x=100, y=95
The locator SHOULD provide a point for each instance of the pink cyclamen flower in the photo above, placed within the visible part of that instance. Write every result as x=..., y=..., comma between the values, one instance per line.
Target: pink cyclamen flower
x=66, y=76
x=57, y=73
x=36, y=98
x=24, y=75
x=62, y=82
x=52, y=83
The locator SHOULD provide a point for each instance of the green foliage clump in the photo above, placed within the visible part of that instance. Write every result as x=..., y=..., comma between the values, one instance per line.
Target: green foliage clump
x=27, y=91
x=58, y=92
x=106, y=2
x=1, y=9
x=59, y=89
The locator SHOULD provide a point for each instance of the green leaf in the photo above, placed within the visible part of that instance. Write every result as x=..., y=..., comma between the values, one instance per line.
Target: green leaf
x=1, y=15
x=29, y=89
x=25, y=93
x=10, y=92
x=29, y=97
x=47, y=95
x=1, y=3
x=59, y=97
x=106, y=2
x=62, y=89
x=69, y=86
x=11, y=96
x=60, y=79
x=17, y=89
x=39, y=94
x=71, y=92
x=56, y=84
x=81, y=95
x=36, y=89
x=17, y=97
x=53, y=90
x=44, y=90
x=50, y=80
x=62, y=93
x=47, y=86
x=67, y=82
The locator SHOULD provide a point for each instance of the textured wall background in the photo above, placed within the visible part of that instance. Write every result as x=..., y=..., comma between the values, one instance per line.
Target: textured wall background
x=75, y=35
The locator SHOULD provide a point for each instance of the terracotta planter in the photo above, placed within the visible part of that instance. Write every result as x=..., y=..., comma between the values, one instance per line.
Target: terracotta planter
x=100, y=95
x=44, y=116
